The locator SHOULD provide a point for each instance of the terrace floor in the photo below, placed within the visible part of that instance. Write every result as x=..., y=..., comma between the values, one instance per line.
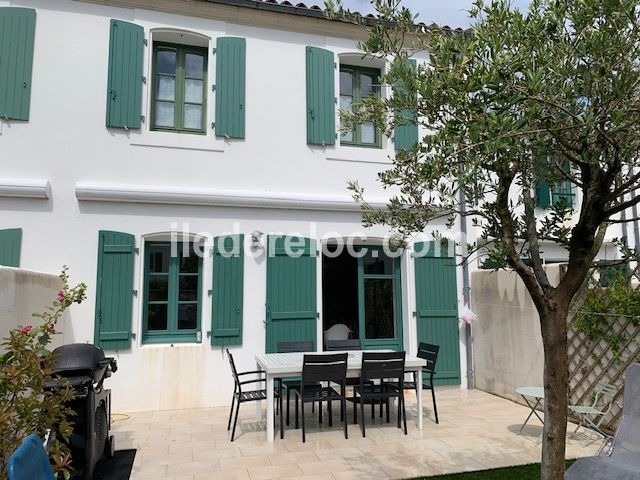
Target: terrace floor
x=476, y=431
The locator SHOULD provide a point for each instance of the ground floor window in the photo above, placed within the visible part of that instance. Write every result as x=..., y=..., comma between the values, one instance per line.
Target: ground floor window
x=172, y=293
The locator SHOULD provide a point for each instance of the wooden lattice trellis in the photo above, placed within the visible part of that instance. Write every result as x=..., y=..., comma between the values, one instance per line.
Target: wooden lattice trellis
x=592, y=359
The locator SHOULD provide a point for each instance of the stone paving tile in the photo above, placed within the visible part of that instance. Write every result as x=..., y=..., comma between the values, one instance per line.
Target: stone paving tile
x=476, y=431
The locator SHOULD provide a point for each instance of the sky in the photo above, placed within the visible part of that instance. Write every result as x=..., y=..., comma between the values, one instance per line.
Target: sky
x=443, y=12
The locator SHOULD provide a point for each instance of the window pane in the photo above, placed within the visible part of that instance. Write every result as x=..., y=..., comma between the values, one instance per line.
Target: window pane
x=345, y=104
x=377, y=263
x=158, y=288
x=193, y=116
x=368, y=132
x=159, y=258
x=366, y=85
x=379, y=309
x=187, y=316
x=166, y=88
x=166, y=61
x=157, y=317
x=164, y=114
x=346, y=83
x=189, y=263
x=194, y=65
x=188, y=288
x=193, y=91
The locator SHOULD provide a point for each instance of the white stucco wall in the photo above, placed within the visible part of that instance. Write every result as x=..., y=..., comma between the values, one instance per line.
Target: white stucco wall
x=23, y=293
x=65, y=142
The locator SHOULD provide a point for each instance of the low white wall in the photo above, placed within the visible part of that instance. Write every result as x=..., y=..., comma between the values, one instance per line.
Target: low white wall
x=507, y=340
x=23, y=293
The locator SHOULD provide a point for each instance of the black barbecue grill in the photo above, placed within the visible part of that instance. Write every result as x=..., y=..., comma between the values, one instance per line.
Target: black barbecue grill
x=85, y=367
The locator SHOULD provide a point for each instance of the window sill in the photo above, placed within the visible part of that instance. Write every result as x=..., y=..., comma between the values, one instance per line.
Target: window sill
x=185, y=141
x=168, y=340
x=359, y=154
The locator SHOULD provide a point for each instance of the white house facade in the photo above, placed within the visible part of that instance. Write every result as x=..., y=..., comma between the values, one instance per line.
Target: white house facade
x=174, y=154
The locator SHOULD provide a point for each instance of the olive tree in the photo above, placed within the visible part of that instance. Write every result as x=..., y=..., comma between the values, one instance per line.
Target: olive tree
x=518, y=100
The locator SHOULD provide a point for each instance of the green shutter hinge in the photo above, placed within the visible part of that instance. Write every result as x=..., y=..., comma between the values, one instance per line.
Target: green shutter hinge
x=335, y=65
x=209, y=334
x=214, y=50
x=209, y=292
x=213, y=125
x=142, y=118
x=137, y=250
x=335, y=100
x=213, y=88
x=144, y=79
x=135, y=292
x=145, y=41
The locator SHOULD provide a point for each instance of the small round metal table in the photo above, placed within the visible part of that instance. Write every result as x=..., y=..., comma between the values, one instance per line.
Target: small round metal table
x=534, y=393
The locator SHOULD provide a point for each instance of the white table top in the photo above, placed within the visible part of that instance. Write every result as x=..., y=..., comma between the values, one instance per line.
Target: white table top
x=291, y=363
x=535, y=392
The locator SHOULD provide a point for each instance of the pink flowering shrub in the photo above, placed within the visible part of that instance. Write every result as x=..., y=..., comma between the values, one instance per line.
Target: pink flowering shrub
x=25, y=405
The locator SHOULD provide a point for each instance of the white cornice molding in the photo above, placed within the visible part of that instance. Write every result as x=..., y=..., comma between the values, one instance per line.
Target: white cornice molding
x=169, y=195
x=25, y=188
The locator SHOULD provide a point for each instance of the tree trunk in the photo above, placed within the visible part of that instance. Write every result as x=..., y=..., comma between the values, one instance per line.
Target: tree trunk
x=556, y=382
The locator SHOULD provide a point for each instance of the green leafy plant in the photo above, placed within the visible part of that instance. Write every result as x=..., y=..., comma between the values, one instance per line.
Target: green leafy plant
x=603, y=304
x=26, y=367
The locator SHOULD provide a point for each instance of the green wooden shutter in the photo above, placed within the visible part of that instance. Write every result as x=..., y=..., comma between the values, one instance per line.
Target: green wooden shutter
x=321, y=110
x=406, y=136
x=17, y=32
x=228, y=277
x=114, y=290
x=437, y=309
x=10, y=241
x=230, y=86
x=543, y=194
x=291, y=291
x=124, y=87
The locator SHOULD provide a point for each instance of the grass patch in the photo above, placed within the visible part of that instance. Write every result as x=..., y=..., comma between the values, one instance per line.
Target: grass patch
x=520, y=472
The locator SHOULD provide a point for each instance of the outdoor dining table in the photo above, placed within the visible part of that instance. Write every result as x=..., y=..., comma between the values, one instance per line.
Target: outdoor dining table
x=278, y=365
x=535, y=393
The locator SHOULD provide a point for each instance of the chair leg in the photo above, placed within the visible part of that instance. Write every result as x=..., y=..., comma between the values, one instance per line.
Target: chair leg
x=399, y=407
x=435, y=408
x=404, y=415
x=373, y=410
x=343, y=414
x=303, y=433
x=320, y=411
x=362, y=416
x=355, y=408
x=235, y=421
x=281, y=416
x=288, y=399
x=297, y=424
x=388, y=408
x=233, y=401
x=381, y=402
x=330, y=413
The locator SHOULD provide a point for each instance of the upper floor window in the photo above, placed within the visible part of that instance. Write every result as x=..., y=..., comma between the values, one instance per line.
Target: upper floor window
x=356, y=84
x=179, y=88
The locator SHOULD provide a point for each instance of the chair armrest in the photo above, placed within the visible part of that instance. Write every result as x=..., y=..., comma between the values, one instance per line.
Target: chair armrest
x=257, y=380
x=249, y=373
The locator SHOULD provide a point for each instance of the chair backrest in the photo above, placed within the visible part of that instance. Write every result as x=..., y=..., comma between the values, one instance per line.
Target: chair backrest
x=337, y=332
x=330, y=367
x=291, y=347
x=626, y=443
x=343, y=345
x=234, y=372
x=30, y=461
x=429, y=352
x=382, y=365
x=604, y=395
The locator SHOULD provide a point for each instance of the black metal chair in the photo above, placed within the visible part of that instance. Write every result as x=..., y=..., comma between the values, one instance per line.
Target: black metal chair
x=240, y=396
x=316, y=371
x=293, y=383
x=378, y=368
x=429, y=353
